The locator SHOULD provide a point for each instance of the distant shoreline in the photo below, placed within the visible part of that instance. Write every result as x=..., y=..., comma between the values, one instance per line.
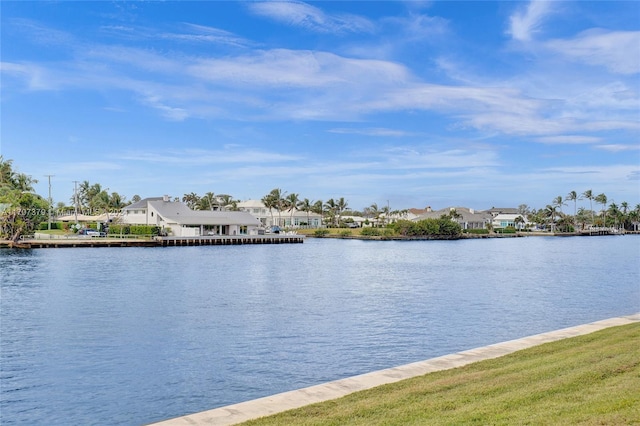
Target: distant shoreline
x=196, y=241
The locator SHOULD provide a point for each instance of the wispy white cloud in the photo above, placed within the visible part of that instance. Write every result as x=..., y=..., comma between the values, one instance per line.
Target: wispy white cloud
x=375, y=131
x=618, y=147
x=303, y=15
x=524, y=24
x=615, y=50
x=295, y=68
x=569, y=139
x=230, y=154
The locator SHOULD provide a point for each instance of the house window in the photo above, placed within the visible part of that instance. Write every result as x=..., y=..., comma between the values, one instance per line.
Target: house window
x=243, y=230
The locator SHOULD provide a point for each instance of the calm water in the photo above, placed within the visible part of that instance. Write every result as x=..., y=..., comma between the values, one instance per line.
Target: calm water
x=135, y=335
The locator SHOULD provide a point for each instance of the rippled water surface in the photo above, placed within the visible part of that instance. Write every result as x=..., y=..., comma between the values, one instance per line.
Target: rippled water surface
x=135, y=335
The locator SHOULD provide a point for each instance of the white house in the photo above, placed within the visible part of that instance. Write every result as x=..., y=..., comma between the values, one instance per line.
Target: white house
x=179, y=220
x=286, y=218
x=503, y=220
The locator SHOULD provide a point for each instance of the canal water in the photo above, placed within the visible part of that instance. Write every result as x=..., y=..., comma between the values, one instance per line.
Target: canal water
x=128, y=336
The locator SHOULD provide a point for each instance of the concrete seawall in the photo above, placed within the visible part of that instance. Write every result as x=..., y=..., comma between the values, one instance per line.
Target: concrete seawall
x=237, y=413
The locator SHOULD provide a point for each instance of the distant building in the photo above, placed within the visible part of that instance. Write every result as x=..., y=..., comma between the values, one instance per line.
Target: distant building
x=179, y=220
x=494, y=211
x=274, y=217
x=504, y=220
x=465, y=217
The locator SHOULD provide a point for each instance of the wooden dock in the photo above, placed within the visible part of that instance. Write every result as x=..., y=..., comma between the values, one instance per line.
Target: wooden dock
x=219, y=240
x=225, y=240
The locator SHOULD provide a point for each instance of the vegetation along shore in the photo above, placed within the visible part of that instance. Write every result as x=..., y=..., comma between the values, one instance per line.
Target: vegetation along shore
x=95, y=212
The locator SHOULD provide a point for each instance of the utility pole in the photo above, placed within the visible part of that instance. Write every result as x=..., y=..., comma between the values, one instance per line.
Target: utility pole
x=75, y=199
x=50, y=202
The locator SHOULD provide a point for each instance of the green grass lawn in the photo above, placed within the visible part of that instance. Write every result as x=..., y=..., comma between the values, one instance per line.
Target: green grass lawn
x=592, y=380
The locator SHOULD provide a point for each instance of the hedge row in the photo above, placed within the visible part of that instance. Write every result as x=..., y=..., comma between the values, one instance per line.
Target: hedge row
x=134, y=229
x=427, y=228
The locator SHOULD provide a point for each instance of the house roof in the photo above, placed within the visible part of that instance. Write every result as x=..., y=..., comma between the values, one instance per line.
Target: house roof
x=508, y=216
x=179, y=213
x=142, y=204
x=503, y=210
x=251, y=204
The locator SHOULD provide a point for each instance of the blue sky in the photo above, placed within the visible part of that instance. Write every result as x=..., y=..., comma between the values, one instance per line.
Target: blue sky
x=452, y=103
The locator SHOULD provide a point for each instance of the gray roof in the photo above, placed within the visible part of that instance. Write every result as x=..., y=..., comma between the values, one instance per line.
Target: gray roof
x=142, y=204
x=179, y=213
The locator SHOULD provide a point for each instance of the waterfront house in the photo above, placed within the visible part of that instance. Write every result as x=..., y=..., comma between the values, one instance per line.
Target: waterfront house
x=467, y=218
x=286, y=218
x=175, y=218
x=504, y=220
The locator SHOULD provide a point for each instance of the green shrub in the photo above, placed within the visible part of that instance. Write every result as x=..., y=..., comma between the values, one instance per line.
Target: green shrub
x=476, y=231
x=427, y=227
x=116, y=229
x=345, y=233
x=370, y=232
x=321, y=232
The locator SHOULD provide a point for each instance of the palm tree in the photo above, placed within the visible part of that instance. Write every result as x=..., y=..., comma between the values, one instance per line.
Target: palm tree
x=573, y=196
x=634, y=217
x=373, y=212
x=207, y=201
x=191, y=200
x=331, y=207
x=588, y=194
x=582, y=217
x=318, y=208
x=269, y=202
x=292, y=201
x=342, y=206
x=225, y=200
x=518, y=221
x=559, y=202
x=615, y=212
x=625, y=217
x=306, y=206
x=602, y=199
x=385, y=211
x=551, y=213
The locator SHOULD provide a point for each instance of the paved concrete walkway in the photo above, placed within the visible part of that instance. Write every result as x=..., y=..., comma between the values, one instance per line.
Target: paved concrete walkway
x=237, y=413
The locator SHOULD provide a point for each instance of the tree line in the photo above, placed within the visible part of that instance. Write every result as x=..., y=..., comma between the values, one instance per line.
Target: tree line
x=21, y=210
x=620, y=216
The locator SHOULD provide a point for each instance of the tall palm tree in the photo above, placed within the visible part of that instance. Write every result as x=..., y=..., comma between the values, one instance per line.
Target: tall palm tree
x=318, y=208
x=269, y=202
x=342, y=206
x=225, y=200
x=625, y=216
x=331, y=207
x=207, y=201
x=588, y=194
x=191, y=200
x=551, y=213
x=559, y=202
x=615, y=212
x=292, y=202
x=602, y=199
x=306, y=206
x=573, y=196
x=373, y=212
